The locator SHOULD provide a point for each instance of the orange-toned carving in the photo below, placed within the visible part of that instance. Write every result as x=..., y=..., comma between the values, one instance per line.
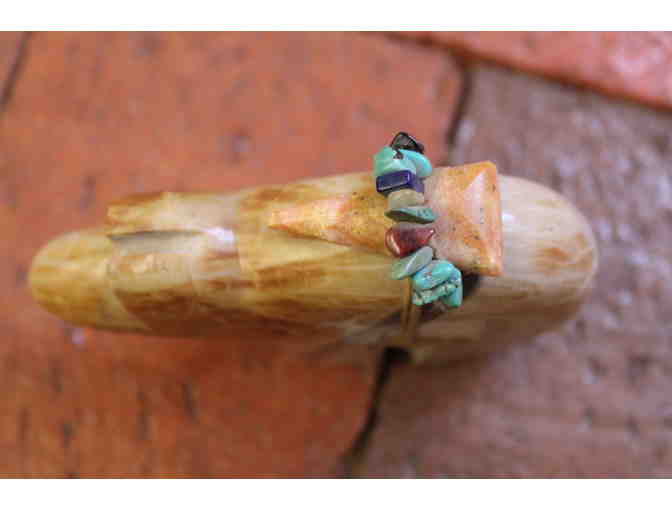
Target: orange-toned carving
x=468, y=209
x=465, y=200
x=208, y=264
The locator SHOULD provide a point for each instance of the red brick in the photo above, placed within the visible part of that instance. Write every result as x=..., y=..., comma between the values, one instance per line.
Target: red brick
x=96, y=116
x=634, y=65
x=593, y=398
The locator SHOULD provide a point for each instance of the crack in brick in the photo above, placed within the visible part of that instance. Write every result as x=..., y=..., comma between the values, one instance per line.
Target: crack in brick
x=353, y=458
x=462, y=104
x=357, y=452
x=7, y=91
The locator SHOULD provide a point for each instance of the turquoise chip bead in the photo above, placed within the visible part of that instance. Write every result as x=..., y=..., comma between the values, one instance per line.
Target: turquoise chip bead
x=410, y=265
x=443, y=291
x=412, y=214
x=384, y=162
x=454, y=299
x=422, y=165
x=436, y=273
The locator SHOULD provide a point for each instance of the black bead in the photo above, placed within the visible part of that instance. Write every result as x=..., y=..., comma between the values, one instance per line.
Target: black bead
x=407, y=142
x=403, y=179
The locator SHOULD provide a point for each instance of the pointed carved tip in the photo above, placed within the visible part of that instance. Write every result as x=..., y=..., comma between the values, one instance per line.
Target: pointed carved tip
x=356, y=219
x=467, y=203
x=317, y=218
x=465, y=199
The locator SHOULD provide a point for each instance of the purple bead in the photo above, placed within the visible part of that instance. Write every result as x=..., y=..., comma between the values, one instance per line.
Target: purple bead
x=394, y=181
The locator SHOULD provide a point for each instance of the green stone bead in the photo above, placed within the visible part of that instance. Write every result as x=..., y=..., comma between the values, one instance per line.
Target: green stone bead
x=454, y=299
x=413, y=214
x=423, y=168
x=404, y=198
x=436, y=273
x=410, y=265
x=384, y=162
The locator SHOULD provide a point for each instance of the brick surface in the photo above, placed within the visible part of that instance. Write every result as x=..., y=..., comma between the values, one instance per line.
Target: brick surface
x=635, y=65
x=591, y=399
x=93, y=117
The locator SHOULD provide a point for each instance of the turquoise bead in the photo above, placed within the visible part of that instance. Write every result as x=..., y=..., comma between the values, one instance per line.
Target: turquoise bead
x=453, y=300
x=424, y=297
x=410, y=265
x=412, y=214
x=442, y=291
x=436, y=273
x=384, y=162
x=438, y=280
x=422, y=165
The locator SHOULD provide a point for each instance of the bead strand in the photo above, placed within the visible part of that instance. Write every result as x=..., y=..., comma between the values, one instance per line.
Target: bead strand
x=400, y=170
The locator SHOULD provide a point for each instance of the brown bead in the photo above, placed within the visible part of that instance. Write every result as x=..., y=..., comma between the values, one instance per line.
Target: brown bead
x=405, y=238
